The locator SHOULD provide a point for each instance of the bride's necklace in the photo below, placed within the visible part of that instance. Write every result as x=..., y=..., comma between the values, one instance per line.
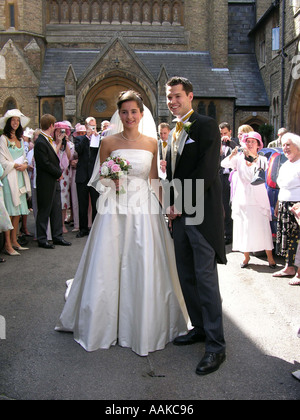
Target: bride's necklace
x=125, y=138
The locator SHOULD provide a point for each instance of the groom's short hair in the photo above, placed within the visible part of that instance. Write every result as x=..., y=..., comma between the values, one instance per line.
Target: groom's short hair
x=178, y=80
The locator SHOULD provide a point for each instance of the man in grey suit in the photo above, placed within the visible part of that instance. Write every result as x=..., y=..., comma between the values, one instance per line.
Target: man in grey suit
x=193, y=155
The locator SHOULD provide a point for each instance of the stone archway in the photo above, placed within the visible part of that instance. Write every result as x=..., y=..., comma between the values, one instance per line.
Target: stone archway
x=100, y=101
x=294, y=109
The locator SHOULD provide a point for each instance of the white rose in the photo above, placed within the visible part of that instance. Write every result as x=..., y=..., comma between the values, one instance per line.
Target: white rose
x=104, y=171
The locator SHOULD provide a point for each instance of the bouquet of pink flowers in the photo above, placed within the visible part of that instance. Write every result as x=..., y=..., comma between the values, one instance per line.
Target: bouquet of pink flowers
x=115, y=168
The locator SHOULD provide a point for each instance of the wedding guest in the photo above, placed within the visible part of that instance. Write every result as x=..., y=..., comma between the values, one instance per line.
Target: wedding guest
x=15, y=179
x=277, y=142
x=27, y=137
x=288, y=180
x=80, y=130
x=5, y=223
x=226, y=135
x=104, y=127
x=244, y=129
x=295, y=281
x=87, y=147
x=64, y=154
x=163, y=131
x=251, y=210
x=32, y=175
x=227, y=145
x=48, y=174
x=28, y=145
x=194, y=155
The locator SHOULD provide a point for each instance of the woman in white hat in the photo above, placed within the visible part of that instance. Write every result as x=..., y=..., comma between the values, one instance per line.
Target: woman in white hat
x=16, y=182
x=251, y=212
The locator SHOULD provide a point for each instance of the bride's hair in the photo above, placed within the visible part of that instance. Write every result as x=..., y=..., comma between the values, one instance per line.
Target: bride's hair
x=130, y=95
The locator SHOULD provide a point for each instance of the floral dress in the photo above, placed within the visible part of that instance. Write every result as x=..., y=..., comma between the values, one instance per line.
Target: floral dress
x=65, y=181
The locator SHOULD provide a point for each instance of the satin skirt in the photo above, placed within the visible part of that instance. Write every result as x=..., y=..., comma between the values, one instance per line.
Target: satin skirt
x=126, y=289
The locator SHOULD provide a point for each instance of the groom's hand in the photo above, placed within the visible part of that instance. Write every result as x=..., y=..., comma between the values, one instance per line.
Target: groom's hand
x=172, y=213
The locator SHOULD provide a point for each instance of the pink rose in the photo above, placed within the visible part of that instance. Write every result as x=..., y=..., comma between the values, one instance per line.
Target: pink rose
x=115, y=168
x=110, y=163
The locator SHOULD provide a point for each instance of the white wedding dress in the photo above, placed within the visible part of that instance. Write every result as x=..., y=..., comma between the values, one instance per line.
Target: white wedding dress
x=126, y=289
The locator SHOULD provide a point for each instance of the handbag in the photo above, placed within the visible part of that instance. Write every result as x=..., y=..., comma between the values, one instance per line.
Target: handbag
x=259, y=176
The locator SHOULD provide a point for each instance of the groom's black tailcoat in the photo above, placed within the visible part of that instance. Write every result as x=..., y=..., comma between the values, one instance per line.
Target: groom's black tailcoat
x=200, y=159
x=200, y=246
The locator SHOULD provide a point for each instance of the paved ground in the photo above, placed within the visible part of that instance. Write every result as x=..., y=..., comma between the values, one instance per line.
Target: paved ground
x=262, y=317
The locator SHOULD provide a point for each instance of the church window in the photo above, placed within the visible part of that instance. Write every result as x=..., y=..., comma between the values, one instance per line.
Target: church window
x=12, y=15
x=2, y=67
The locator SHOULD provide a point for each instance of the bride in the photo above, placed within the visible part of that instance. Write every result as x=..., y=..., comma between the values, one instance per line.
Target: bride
x=126, y=288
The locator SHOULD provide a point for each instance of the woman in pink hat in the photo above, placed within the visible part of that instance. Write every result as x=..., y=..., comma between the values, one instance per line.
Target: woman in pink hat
x=251, y=212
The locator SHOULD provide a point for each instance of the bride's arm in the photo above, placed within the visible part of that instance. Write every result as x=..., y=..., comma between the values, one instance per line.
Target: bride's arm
x=104, y=153
x=104, y=150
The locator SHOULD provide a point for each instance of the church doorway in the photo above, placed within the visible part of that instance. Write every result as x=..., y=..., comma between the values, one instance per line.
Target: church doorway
x=100, y=102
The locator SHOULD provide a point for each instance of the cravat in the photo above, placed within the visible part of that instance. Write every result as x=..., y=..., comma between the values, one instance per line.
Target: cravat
x=50, y=139
x=176, y=136
x=179, y=127
x=165, y=143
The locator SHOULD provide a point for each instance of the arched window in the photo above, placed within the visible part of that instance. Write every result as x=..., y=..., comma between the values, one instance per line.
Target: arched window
x=10, y=103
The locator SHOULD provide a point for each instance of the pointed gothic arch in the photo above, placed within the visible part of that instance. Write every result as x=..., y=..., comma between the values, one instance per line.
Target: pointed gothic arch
x=100, y=101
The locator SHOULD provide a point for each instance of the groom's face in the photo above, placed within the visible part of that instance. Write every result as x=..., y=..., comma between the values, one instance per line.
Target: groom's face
x=178, y=101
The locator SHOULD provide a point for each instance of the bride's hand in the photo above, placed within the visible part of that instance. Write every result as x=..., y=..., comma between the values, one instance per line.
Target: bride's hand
x=118, y=183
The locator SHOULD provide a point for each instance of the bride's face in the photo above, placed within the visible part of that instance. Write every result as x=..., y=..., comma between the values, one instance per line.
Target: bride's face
x=130, y=114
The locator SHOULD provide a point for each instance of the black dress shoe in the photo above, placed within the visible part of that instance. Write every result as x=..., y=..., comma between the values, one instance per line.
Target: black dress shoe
x=62, y=242
x=46, y=245
x=81, y=234
x=191, y=337
x=210, y=363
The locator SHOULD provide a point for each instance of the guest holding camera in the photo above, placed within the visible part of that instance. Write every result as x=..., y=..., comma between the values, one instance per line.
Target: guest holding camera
x=63, y=151
x=251, y=211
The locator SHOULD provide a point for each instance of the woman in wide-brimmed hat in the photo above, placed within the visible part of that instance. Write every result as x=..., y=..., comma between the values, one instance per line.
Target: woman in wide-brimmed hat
x=251, y=212
x=15, y=179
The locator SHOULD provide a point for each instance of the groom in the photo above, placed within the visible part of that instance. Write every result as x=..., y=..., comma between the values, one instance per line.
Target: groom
x=199, y=246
